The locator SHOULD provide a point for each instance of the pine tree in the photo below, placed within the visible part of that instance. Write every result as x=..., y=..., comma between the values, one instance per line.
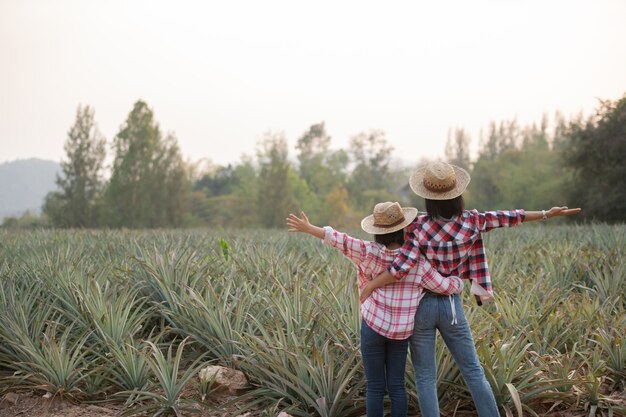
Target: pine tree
x=275, y=198
x=81, y=182
x=149, y=185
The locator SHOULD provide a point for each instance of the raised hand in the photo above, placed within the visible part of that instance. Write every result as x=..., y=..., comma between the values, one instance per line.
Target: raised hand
x=297, y=224
x=302, y=225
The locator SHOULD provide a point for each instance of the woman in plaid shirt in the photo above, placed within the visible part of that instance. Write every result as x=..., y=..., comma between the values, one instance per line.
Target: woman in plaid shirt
x=388, y=314
x=450, y=238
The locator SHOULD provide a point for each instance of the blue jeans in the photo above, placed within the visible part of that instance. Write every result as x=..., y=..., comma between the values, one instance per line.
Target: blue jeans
x=435, y=313
x=384, y=361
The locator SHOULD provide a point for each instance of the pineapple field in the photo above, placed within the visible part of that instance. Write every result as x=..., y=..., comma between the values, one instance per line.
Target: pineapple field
x=126, y=321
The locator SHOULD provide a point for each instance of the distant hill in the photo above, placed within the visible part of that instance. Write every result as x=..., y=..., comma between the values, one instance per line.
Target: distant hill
x=24, y=184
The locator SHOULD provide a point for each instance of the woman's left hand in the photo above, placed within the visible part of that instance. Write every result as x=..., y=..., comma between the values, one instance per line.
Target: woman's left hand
x=297, y=224
x=562, y=211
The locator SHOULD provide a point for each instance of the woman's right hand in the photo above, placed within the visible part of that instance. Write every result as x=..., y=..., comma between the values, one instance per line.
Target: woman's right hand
x=366, y=291
x=461, y=285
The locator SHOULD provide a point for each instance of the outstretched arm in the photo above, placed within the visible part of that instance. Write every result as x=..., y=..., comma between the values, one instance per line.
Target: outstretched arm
x=553, y=212
x=353, y=249
x=303, y=225
x=489, y=220
x=431, y=280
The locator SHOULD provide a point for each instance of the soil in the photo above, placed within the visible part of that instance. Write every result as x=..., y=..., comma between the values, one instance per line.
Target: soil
x=27, y=404
x=30, y=404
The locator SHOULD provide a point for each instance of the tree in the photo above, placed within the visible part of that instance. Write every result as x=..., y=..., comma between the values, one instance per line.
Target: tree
x=81, y=181
x=371, y=154
x=457, y=148
x=519, y=169
x=227, y=196
x=313, y=148
x=220, y=181
x=501, y=138
x=337, y=209
x=172, y=174
x=274, y=199
x=246, y=191
x=150, y=183
x=594, y=150
x=322, y=169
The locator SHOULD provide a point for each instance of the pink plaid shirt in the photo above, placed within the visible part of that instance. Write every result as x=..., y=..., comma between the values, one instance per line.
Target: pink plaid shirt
x=454, y=247
x=389, y=310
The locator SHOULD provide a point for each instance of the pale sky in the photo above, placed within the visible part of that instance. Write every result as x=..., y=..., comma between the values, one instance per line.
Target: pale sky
x=219, y=74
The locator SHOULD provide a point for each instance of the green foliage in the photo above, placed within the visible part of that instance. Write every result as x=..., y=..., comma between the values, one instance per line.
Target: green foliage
x=225, y=248
x=578, y=163
x=78, y=308
x=313, y=147
x=279, y=188
x=595, y=152
x=221, y=181
x=27, y=220
x=82, y=182
x=273, y=180
x=127, y=368
x=370, y=152
x=457, y=148
x=302, y=197
x=517, y=168
x=298, y=354
x=149, y=185
x=226, y=197
x=52, y=361
x=171, y=379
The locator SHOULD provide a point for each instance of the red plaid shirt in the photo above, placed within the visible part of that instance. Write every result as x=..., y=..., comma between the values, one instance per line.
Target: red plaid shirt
x=454, y=247
x=390, y=310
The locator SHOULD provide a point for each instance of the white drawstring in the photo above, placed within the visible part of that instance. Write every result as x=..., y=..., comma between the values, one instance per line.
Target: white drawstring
x=454, y=321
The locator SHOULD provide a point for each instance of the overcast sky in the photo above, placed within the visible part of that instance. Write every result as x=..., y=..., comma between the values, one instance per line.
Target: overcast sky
x=219, y=74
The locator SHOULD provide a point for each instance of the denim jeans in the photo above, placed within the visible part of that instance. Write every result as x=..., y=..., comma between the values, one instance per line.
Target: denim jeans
x=384, y=361
x=435, y=313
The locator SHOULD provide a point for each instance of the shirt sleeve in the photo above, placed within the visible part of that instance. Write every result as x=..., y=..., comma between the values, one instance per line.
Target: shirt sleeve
x=432, y=280
x=500, y=218
x=407, y=258
x=353, y=249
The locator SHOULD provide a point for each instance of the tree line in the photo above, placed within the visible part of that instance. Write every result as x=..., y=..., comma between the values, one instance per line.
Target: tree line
x=581, y=162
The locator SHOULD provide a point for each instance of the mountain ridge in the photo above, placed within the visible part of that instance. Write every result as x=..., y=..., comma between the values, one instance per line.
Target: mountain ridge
x=24, y=184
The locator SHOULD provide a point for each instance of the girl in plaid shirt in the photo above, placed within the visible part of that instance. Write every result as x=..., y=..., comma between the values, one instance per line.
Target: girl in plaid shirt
x=450, y=238
x=388, y=314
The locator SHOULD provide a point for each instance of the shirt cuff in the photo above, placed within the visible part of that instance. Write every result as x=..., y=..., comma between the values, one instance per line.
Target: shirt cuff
x=328, y=233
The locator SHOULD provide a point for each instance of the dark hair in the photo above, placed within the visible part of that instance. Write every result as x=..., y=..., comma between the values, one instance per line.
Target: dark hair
x=445, y=208
x=389, y=238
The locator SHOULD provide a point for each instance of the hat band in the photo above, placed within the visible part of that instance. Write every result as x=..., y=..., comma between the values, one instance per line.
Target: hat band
x=389, y=225
x=439, y=188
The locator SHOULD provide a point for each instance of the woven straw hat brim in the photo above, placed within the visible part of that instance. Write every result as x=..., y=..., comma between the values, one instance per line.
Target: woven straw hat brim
x=417, y=185
x=367, y=224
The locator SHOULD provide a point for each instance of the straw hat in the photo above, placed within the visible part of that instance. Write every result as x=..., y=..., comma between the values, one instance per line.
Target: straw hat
x=439, y=181
x=388, y=217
